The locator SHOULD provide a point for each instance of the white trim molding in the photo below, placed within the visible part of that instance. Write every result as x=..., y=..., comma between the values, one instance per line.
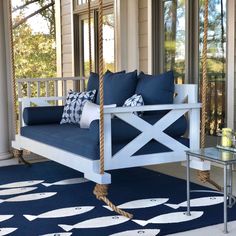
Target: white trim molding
x=126, y=35
x=150, y=30
x=5, y=91
x=231, y=19
x=58, y=37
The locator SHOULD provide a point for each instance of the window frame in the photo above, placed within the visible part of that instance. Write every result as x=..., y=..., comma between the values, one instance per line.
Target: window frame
x=192, y=49
x=80, y=15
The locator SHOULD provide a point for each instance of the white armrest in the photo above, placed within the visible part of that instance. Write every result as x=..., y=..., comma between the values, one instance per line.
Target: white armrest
x=37, y=99
x=116, y=110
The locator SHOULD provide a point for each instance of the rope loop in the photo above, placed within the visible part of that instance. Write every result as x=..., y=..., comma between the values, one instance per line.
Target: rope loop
x=101, y=192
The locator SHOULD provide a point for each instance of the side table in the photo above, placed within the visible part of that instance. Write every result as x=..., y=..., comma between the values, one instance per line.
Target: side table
x=222, y=157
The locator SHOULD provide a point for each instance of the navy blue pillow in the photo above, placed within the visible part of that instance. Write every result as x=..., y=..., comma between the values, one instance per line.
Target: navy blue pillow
x=156, y=89
x=42, y=115
x=118, y=87
x=93, y=82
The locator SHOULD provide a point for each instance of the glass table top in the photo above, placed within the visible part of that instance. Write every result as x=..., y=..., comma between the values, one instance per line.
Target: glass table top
x=214, y=154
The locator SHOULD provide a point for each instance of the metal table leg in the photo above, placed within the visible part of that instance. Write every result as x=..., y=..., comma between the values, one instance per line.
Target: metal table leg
x=230, y=186
x=225, y=199
x=188, y=186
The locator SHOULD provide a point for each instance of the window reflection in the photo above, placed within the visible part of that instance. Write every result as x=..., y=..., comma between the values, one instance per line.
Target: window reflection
x=216, y=63
x=108, y=42
x=86, y=47
x=174, y=38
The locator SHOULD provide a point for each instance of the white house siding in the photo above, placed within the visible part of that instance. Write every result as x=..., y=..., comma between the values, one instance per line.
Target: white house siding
x=67, y=69
x=143, y=35
x=234, y=95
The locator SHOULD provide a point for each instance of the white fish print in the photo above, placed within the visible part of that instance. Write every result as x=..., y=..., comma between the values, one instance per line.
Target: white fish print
x=5, y=231
x=175, y=217
x=5, y=217
x=14, y=191
x=96, y=223
x=57, y=234
x=142, y=203
x=199, y=202
x=29, y=197
x=63, y=212
x=22, y=184
x=67, y=182
x=138, y=232
x=206, y=191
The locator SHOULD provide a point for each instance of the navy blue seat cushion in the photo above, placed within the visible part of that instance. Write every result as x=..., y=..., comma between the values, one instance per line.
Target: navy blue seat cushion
x=42, y=115
x=151, y=147
x=122, y=131
x=118, y=87
x=84, y=142
x=156, y=89
x=93, y=81
x=69, y=137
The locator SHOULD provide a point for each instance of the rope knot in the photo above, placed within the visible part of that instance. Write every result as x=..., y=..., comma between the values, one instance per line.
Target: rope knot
x=100, y=191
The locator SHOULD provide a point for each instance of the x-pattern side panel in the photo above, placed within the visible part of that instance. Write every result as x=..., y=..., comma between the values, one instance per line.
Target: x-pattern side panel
x=150, y=132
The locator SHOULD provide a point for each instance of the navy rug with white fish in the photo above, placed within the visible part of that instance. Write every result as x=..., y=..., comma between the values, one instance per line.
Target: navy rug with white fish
x=68, y=207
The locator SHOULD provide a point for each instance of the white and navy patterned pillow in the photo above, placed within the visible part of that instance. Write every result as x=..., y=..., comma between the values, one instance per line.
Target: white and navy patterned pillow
x=74, y=105
x=134, y=101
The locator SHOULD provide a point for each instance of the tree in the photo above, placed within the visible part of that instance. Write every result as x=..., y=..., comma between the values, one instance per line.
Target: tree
x=34, y=53
x=45, y=9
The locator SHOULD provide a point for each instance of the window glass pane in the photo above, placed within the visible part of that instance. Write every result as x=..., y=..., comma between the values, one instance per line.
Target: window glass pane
x=216, y=63
x=82, y=2
x=108, y=42
x=174, y=38
x=86, y=46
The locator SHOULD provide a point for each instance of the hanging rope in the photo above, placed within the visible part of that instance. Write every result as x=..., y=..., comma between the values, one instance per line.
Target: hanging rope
x=100, y=46
x=204, y=176
x=89, y=36
x=101, y=190
x=13, y=74
x=16, y=153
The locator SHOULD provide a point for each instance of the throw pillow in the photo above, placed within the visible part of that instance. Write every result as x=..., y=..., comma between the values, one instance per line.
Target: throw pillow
x=118, y=87
x=74, y=105
x=91, y=111
x=134, y=101
x=156, y=89
x=93, y=81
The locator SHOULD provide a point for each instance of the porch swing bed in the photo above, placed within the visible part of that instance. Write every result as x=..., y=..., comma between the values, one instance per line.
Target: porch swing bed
x=159, y=133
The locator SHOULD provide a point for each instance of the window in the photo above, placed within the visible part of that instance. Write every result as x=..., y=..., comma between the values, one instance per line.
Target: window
x=180, y=21
x=85, y=46
x=216, y=70
x=81, y=38
x=174, y=38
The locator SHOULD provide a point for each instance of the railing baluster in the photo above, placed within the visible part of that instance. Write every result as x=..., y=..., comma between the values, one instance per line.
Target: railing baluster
x=19, y=90
x=82, y=85
x=74, y=85
x=28, y=89
x=64, y=87
x=56, y=88
x=38, y=88
x=47, y=88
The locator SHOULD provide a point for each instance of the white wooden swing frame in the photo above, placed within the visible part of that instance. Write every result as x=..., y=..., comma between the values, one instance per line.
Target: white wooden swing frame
x=185, y=102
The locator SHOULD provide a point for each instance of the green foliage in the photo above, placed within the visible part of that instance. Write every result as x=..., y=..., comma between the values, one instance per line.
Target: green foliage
x=35, y=54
